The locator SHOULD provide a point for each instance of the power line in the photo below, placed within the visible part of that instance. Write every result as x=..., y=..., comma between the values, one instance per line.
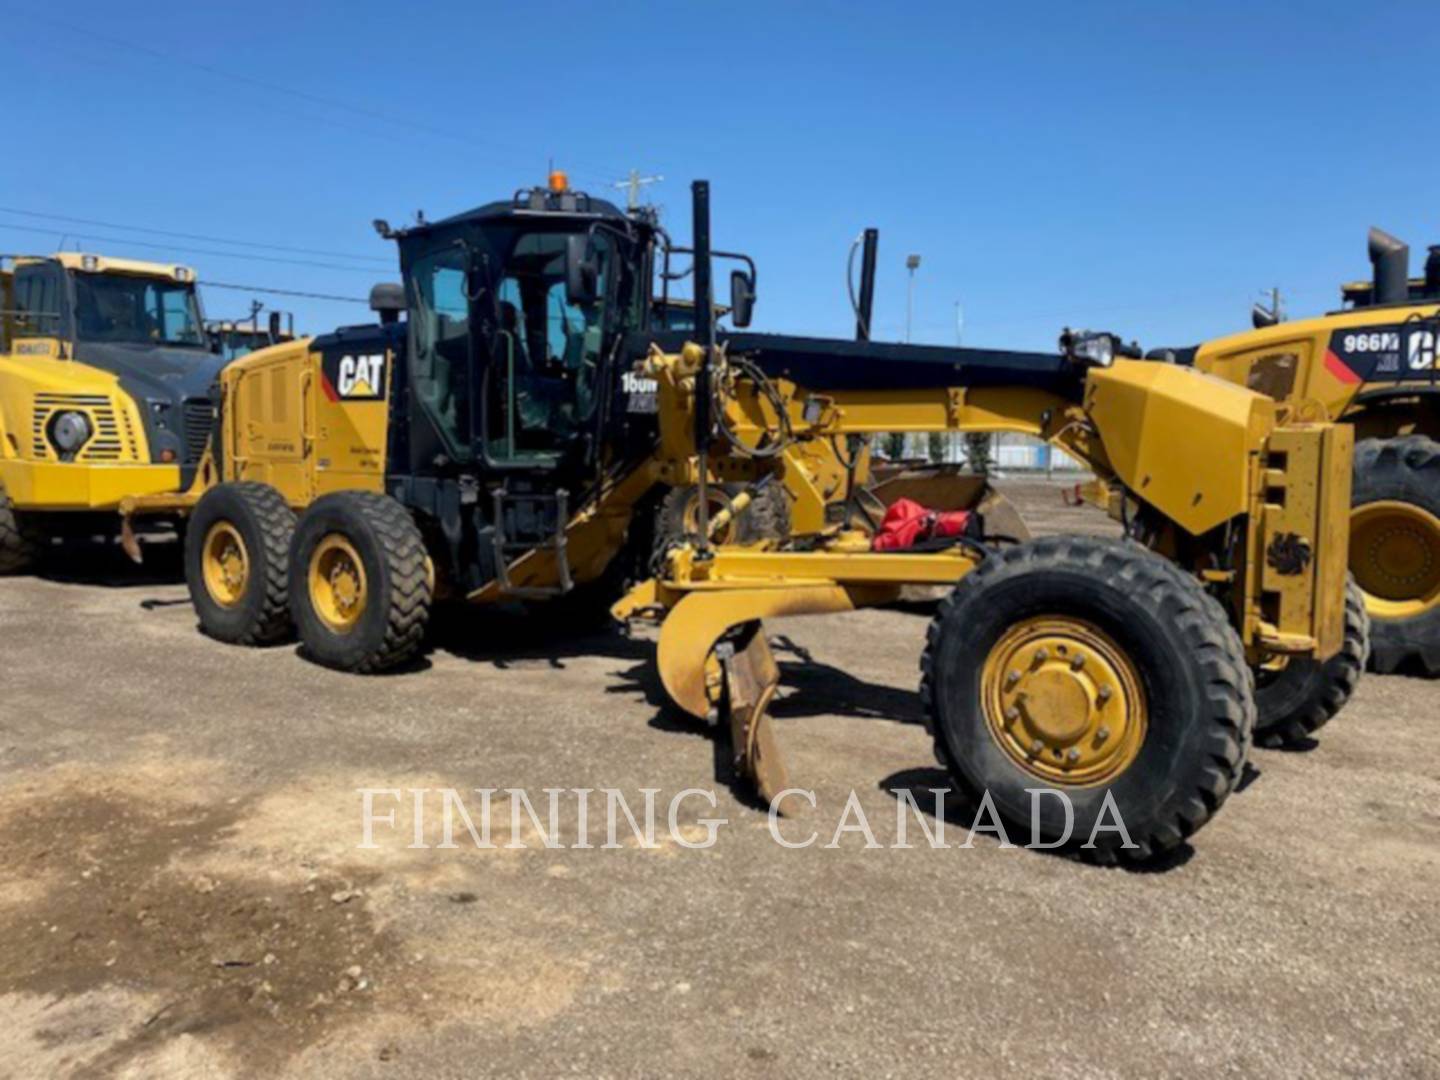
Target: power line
x=191, y=236
x=282, y=292
x=123, y=241
x=276, y=88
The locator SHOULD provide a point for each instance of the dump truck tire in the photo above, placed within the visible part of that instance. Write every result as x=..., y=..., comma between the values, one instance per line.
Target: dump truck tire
x=1297, y=700
x=1099, y=670
x=1395, y=550
x=360, y=589
x=766, y=518
x=237, y=560
x=19, y=545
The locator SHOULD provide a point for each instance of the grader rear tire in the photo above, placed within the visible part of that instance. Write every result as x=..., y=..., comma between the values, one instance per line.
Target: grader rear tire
x=19, y=546
x=1298, y=698
x=359, y=586
x=1099, y=670
x=237, y=551
x=1395, y=550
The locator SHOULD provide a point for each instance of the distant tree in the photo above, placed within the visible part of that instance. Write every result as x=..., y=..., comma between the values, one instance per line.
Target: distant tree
x=936, y=446
x=893, y=445
x=977, y=453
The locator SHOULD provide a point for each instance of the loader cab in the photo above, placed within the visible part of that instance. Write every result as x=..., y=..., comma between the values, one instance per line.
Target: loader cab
x=517, y=312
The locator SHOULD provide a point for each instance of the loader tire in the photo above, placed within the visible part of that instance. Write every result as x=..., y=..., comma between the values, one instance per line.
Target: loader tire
x=677, y=520
x=237, y=559
x=1395, y=550
x=1099, y=670
x=19, y=544
x=1297, y=699
x=360, y=587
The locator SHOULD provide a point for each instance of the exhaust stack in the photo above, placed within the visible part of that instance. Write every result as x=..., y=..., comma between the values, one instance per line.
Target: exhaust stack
x=1391, y=259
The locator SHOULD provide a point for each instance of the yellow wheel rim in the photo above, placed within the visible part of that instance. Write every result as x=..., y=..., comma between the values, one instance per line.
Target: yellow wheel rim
x=1064, y=701
x=1395, y=556
x=225, y=564
x=338, y=590
x=716, y=503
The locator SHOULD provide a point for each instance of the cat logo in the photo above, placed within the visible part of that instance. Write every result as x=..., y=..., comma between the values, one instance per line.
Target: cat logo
x=361, y=377
x=1421, y=348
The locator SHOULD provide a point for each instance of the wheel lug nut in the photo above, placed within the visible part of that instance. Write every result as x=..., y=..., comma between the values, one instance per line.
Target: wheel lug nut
x=1012, y=714
x=1073, y=756
x=1012, y=678
x=1036, y=746
x=1078, y=662
x=1104, y=695
x=1103, y=734
x=1041, y=655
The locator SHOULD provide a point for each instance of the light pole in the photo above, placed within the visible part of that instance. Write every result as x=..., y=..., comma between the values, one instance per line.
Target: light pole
x=912, y=263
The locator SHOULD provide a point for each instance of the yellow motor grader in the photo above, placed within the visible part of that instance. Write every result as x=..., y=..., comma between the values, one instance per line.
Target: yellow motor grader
x=481, y=445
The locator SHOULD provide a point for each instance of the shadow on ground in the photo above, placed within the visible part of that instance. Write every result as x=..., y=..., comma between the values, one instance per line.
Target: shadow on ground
x=959, y=810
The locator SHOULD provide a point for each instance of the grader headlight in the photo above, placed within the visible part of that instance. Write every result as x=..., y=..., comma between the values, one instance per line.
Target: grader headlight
x=1091, y=349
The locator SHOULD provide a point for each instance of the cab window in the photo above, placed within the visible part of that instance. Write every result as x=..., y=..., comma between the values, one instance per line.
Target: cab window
x=439, y=332
x=545, y=388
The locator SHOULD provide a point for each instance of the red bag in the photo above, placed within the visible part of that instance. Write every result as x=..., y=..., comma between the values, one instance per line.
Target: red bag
x=907, y=523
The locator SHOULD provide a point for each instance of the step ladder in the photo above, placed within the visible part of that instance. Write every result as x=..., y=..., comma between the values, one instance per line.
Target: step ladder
x=507, y=549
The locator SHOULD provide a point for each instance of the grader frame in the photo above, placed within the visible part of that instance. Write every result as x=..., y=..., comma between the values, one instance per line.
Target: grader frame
x=1095, y=644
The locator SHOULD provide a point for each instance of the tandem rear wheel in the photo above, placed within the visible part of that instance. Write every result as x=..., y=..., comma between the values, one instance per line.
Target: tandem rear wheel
x=360, y=582
x=237, y=549
x=1097, y=670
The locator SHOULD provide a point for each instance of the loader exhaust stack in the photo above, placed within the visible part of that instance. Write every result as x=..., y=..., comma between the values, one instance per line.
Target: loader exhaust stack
x=1391, y=259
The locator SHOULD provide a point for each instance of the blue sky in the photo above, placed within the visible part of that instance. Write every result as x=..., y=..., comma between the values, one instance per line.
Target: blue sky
x=1139, y=166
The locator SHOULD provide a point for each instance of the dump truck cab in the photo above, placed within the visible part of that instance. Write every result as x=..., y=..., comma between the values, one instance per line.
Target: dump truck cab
x=105, y=377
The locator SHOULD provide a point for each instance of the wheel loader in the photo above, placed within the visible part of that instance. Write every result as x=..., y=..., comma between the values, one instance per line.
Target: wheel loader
x=105, y=376
x=1371, y=366
x=481, y=446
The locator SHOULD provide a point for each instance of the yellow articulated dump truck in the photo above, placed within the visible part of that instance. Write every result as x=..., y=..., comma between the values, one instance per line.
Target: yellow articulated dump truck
x=1371, y=366
x=482, y=444
x=105, y=378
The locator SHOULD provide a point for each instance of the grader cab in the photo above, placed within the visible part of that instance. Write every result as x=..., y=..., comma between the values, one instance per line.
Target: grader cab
x=482, y=446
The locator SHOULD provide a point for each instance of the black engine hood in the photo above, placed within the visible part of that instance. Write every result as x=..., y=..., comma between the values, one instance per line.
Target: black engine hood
x=155, y=373
x=171, y=390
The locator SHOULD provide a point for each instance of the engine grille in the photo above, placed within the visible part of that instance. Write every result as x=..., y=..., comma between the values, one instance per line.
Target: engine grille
x=113, y=438
x=199, y=419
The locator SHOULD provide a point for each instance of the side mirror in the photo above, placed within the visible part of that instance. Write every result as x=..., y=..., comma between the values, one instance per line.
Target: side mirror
x=581, y=273
x=742, y=299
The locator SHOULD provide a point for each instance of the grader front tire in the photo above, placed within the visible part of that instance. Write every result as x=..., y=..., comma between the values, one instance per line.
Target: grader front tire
x=1395, y=549
x=1099, y=670
x=237, y=551
x=360, y=589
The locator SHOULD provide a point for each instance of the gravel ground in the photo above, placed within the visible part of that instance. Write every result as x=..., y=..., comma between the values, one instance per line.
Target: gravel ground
x=185, y=893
